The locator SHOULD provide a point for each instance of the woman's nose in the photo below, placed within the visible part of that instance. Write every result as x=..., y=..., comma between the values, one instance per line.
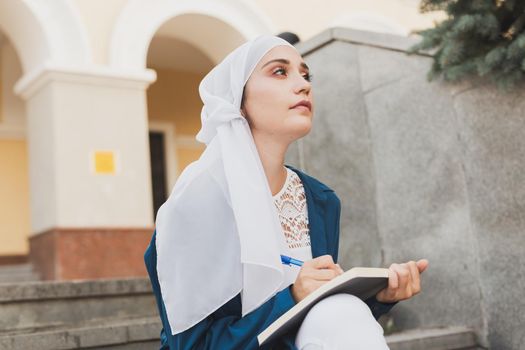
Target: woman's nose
x=302, y=85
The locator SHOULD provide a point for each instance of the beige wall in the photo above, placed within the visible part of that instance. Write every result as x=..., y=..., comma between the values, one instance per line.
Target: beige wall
x=187, y=155
x=1, y=80
x=14, y=198
x=174, y=98
x=14, y=181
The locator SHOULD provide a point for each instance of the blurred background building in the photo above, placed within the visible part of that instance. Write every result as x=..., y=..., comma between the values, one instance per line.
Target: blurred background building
x=99, y=108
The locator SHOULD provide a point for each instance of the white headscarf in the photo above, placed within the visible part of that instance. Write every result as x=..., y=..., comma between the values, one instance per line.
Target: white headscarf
x=218, y=234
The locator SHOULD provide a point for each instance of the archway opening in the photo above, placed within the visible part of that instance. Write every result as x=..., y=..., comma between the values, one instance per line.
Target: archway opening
x=14, y=177
x=182, y=51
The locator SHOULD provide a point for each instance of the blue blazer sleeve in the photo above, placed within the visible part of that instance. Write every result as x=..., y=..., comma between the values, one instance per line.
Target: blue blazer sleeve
x=225, y=328
x=378, y=308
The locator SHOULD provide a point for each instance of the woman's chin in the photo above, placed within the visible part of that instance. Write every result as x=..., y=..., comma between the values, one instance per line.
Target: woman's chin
x=302, y=127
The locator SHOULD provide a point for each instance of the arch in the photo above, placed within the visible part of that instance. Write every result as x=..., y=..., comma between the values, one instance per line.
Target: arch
x=140, y=20
x=215, y=42
x=43, y=31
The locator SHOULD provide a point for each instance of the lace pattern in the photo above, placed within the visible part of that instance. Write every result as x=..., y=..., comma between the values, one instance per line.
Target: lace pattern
x=293, y=214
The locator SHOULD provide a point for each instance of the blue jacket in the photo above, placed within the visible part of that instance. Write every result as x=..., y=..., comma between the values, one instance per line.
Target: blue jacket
x=225, y=328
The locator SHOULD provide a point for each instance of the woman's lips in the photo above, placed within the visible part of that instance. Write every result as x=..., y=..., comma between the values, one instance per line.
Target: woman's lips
x=303, y=103
x=302, y=108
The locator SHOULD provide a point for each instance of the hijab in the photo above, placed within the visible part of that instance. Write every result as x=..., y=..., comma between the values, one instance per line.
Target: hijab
x=218, y=233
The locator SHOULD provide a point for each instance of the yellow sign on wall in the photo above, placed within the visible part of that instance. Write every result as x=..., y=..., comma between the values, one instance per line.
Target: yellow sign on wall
x=104, y=162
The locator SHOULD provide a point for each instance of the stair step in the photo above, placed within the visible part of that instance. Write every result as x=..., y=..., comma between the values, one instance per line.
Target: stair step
x=135, y=333
x=450, y=338
x=16, y=268
x=143, y=333
x=18, y=273
x=30, y=277
x=33, y=305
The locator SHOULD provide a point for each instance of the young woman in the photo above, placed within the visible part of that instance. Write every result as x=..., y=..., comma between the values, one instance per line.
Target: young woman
x=214, y=259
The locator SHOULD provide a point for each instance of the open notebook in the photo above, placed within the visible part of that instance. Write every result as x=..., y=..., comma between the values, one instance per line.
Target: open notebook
x=362, y=282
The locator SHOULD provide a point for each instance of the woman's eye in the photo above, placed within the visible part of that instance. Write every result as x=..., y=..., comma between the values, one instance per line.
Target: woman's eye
x=279, y=70
x=308, y=76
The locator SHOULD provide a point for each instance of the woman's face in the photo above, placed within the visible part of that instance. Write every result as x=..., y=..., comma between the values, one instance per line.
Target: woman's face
x=279, y=81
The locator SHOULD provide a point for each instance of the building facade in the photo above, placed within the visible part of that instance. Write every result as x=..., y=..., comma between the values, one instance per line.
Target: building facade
x=99, y=108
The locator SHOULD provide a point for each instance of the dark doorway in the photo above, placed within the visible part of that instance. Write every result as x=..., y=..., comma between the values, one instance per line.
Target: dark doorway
x=158, y=169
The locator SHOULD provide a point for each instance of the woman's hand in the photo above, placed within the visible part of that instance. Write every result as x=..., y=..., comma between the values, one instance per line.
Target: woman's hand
x=403, y=281
x=313, y=274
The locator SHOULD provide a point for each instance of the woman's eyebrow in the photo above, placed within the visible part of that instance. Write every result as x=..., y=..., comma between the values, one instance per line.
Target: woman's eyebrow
x=285, y=61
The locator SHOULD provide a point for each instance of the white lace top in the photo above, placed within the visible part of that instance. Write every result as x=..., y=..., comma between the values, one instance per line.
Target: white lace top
x=290, y=202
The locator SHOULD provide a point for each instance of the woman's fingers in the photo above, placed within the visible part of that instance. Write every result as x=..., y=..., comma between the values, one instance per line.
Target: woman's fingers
x=388, y=294
x=403, y=275
x=393, y=281
x=322, y=274
x=414, y=277
x=422, y=265
x=404, y=281
x=321, y=262
x=322, y=268
x=313, y=274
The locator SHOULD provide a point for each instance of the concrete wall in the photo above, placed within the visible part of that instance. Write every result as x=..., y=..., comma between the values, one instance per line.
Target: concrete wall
x=424, y=170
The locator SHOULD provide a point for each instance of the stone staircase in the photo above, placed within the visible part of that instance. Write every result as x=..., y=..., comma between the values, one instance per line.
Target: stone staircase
x=112, y=314
x=458, y=338
x=122, y=314
x=18, y=273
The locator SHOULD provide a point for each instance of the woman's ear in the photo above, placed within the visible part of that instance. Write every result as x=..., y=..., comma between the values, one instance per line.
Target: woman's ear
x=242, y=109
x=243, y=112
x=245, y=115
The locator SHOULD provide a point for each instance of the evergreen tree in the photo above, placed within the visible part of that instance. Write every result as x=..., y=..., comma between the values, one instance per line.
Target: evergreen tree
x=483, y=37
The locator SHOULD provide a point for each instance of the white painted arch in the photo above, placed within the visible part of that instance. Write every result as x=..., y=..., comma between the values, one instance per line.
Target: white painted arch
x=44, y=32
x=140, y=20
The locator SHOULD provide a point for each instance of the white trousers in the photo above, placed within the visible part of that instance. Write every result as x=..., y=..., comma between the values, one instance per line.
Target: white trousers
x=340, y=322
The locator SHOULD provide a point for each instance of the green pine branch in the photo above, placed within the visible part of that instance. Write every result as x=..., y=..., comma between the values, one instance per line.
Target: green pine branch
x=479, y=37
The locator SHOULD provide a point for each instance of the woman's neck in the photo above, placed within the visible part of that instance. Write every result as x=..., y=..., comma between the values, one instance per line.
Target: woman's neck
x=272, y=158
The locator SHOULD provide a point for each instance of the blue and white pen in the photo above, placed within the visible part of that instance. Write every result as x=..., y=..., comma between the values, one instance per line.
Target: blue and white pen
x=290, y=261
